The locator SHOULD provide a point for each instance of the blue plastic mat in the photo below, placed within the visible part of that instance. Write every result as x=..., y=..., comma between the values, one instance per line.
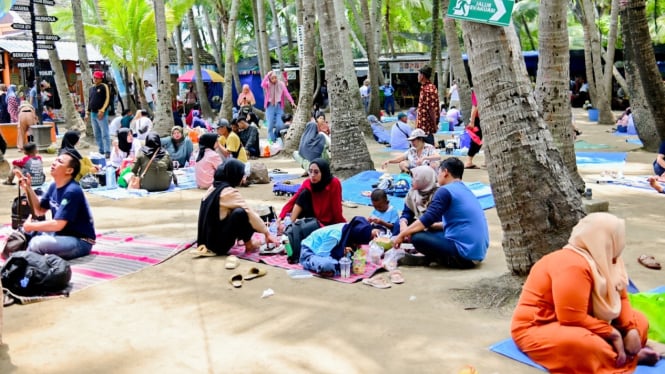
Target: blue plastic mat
x=386, y=119
x=583, y=144
x=456, y=152
x=456, y=132
x=509, y=349
x=279, y=177
x=589, y=158
x=353, y=187
x=186, y=181
x=634, y=141
x=634, y=181
x=389, y=149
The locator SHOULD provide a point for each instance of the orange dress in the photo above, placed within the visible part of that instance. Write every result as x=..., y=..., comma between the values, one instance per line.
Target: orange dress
x=554, y=325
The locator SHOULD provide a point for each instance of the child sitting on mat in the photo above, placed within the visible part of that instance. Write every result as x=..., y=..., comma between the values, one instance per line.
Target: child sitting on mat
x=322, y=249
x=384, y=216
x=31, y=164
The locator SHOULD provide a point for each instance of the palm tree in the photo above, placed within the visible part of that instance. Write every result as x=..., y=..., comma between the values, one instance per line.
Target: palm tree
x=457, y=63
x=374, y=72
x=553, y=81
x=277, y=33
x=206, y=110
x=644, y=83
x=72, y=116
x=84, y=65
x=535, y=199
x=308, y=65
x=349, y=150
x=163, y=112
x=227, y=100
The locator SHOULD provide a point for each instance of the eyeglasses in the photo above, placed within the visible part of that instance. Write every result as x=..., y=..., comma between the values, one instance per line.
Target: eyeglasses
x=314, y=172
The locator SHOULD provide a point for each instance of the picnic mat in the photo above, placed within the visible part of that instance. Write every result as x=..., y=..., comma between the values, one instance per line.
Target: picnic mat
x=281, y=177
x=353, y=187
x=186, y=181
x=635, y=141
x=596, y=158
x=280, y=262
x=508, y=348
x=634, y=181
x=583, y=144
x=113, y=256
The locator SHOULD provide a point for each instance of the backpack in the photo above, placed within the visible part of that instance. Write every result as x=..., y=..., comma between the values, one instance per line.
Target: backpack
x=297, y=232
x=401, y=188
x=29, y=274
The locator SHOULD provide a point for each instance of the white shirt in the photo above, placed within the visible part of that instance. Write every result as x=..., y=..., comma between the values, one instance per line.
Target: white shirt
x=142, y=127
x=454, y=94
x=114, y=126
x=149, y=94
x=364, y=91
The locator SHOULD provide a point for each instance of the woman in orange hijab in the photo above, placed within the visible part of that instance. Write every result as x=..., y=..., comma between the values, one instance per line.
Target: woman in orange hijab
x=573, y=315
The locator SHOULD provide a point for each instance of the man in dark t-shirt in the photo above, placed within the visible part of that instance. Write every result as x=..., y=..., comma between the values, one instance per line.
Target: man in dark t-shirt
x=71, y=231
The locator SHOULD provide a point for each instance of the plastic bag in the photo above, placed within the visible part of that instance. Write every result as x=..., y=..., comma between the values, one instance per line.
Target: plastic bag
x=375, y=253
x=391, y=257
x=652, y=305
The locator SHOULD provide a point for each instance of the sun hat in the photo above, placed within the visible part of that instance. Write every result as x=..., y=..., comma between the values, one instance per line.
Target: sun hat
x=417, y=133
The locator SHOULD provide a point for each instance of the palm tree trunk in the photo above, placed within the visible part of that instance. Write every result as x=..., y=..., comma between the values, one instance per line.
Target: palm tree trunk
x=216, y=53
x=308, y=68
x=163, y=113
x=647, y=93
x=373, y=60
x=525, y=168
x=227, y=100
x=289, y=35
x=553, y=83
x=389, y=34
x=457, y=63
x=435, y=58
x=206, y=110
x=84, y=65
x=73, y=118
x=349, y=151
x=611, y=48
x=278, y=33
x=263, y=37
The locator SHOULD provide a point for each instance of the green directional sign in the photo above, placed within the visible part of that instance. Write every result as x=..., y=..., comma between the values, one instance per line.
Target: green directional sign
x=493, y=12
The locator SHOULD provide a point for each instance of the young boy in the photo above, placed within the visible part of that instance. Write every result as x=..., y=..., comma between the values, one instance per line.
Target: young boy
x=384, y=217
x=31, y=164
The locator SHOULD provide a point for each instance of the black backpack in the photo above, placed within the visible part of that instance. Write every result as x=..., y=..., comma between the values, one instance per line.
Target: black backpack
x=29, y=274
x=297, y=231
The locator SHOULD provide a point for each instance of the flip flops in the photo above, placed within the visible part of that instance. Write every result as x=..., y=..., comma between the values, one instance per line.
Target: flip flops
x=471, y=166
x=271, y=249
x=396, y=276
x=232, y=262
x=278, y=171
x=349, y=204
x=255, y=273
x=236, y=280
x=377, y=282
x=649, y=261
x=202, y=251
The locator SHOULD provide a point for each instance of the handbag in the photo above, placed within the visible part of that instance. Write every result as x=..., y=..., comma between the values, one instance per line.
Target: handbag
x=135, y=182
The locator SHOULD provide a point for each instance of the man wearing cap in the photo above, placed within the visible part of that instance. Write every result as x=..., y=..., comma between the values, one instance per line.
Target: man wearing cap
x=230, y=143
x=98, y=101
x=420, y=153
x=400, y=132
x=428, y=105
x=71, y=231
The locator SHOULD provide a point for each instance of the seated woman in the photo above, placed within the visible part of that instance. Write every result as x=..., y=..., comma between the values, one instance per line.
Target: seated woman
x=207, y=160
x=141, y=124
x=124, y=147
x=313, y=144
x=381, y=135
x=178, y=146
x=420, y=153
x=69, y=142
x=246, y=100
x=224, y=216
x=659, y=163
x=158, y=173
x=574, y=315
x=322, y=249
x=423, y=188
x=625, y=122
x=319, y=196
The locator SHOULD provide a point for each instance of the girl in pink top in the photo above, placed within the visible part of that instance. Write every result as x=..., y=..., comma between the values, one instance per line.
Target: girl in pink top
x=276, y=94
x=246, y=97
x=207, y=160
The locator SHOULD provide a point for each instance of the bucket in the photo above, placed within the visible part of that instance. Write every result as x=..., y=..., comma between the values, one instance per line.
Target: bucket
x=593, y=115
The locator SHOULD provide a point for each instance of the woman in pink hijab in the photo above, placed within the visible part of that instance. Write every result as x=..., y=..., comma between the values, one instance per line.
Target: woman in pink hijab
x=246, y=97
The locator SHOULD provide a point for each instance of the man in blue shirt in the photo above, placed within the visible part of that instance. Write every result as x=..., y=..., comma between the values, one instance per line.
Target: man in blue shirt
x=388, y=99
x=71, y=231
x=464, y=240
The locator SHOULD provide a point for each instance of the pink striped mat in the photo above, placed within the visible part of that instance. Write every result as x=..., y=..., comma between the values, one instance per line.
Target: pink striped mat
x=113, y=256
x=280, y=262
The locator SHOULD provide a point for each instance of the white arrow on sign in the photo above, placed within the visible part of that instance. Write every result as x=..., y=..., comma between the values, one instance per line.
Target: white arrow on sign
x=500, y=10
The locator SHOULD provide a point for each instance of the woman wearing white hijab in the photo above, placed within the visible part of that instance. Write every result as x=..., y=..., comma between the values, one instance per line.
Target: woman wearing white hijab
x=573, y=315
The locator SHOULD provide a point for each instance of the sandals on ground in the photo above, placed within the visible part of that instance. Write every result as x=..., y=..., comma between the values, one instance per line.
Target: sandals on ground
x=649, y=261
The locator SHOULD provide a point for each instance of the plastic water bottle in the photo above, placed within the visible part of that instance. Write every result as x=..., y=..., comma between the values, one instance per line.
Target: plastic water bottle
x=345, y=267
x=287, y=220
x=287, y=245
x=273, y=227
x=111, y=182
x=192, y=159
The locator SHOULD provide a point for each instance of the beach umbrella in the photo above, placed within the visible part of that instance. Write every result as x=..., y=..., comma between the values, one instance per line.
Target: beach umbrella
x=207, y=75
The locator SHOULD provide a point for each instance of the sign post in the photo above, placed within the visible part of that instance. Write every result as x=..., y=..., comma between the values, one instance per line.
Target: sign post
x=492, y=12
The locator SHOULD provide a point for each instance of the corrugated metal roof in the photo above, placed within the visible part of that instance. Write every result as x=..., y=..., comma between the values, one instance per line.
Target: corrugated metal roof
x=66, y=50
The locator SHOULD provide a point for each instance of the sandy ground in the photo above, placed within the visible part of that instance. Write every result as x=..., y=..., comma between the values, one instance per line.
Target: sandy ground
x=183, y=316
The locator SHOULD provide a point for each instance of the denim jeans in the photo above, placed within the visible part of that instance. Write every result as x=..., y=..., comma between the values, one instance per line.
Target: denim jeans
x=436, y=246
x=389, y=105
x=67, y=247
x=659, y=170
x=101, y=129
x=274, y=119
